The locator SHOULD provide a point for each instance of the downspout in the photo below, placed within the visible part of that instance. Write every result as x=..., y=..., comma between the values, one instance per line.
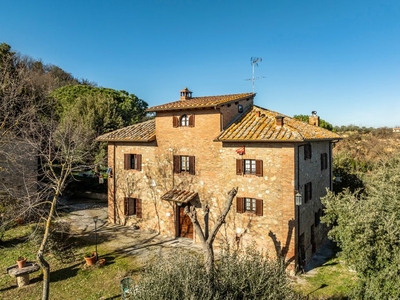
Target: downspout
x=298, y=208
x=114, y=186
x=299, y=259
x=330, y=166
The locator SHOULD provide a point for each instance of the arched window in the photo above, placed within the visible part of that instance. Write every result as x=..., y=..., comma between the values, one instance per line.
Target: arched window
x=184, y=120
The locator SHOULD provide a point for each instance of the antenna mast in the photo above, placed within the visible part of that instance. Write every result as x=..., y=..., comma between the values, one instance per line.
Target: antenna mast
x=254, y=63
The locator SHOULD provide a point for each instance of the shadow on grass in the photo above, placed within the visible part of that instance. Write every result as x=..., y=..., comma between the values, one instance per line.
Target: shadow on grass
x=65, y=273
x=114, y=297
x=8, y=288
x=323, y=256
x=144, y=244
x=13, y=242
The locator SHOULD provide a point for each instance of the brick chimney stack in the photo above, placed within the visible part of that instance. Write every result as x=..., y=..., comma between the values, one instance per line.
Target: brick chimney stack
x=186, y=94
x=313, y=119
x=279, y=120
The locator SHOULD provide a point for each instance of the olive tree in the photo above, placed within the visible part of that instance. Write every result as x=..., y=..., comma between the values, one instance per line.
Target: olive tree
x=366, y=226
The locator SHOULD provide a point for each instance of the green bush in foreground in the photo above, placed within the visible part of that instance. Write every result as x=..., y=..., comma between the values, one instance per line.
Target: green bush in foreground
x=246, y=275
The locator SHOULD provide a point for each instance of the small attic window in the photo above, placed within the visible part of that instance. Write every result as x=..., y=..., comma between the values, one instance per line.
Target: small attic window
x=184, y=120
x=240, y=108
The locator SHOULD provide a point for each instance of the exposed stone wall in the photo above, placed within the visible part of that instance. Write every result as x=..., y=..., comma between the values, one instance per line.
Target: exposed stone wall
x=275, y=231
x=310, y=171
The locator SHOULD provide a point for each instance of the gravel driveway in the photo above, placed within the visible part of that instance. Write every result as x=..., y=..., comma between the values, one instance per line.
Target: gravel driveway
x=122, y=240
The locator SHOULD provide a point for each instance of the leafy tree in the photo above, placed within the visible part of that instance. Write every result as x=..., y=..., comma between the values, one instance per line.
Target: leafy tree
x=322, y=123
x=102, y=110
x=347, y=173
x=108, y=109
x=367, y=228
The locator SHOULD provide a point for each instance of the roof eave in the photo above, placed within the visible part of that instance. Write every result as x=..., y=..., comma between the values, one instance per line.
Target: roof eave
x=126, y=140
x=201, y=106
x=277, y=141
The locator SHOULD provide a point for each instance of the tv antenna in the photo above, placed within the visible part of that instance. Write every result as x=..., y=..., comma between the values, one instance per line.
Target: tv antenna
x=254, y=63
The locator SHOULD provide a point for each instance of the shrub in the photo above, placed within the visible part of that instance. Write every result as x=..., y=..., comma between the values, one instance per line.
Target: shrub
x=247, y=275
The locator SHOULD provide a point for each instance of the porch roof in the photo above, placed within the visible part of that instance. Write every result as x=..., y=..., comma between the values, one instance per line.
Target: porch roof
x=180, y=196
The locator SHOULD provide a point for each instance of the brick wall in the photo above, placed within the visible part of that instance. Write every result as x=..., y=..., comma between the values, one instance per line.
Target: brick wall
x=275, y=231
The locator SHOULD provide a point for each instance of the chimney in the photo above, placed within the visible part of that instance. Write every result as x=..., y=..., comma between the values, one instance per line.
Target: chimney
x=279, y=120
x=313, y=119
x=257, y=113
x=186, y=94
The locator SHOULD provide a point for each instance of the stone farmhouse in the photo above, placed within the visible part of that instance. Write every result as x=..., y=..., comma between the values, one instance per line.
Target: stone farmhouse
x=196, y=149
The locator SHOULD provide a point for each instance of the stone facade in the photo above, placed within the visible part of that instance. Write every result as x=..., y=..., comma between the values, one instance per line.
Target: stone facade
x=282, y=228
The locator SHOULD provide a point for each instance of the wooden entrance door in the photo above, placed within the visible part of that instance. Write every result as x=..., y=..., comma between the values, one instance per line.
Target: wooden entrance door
x=185, y=224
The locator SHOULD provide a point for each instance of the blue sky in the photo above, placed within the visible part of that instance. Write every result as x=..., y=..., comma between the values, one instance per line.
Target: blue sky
x=340, y=58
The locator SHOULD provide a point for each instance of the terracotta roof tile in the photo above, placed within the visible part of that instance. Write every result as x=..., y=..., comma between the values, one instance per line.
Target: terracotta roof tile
x=260, y=124
x=200, y=102
x=181, y=196
x=141, y=132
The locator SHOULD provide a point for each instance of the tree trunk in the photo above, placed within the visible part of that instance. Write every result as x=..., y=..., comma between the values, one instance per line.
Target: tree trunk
x=205, y=238
x=208, y=257
x=40, y=254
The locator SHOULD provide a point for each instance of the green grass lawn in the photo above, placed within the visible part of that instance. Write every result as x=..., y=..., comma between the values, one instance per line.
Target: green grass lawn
x=333, y=280
x=72, y=280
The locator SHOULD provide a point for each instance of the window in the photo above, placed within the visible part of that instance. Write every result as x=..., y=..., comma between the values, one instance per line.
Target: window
x=133, y=162
x=249, y=166
x=307, y=192
x=240, y=108
x=249, y=205
x=132, y=207
x=317, y=217
x=183, y=121
x=307, y=151
x=184, y=164
x=324, y=161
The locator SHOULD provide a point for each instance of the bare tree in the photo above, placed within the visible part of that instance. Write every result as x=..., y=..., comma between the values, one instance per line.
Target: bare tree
x=207, y=238
x=61, y=148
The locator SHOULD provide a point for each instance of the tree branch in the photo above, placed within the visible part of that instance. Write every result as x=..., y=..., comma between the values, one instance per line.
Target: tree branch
x=221, y=219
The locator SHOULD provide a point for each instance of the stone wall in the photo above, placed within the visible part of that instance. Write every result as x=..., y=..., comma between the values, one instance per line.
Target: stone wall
x=275, y=231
